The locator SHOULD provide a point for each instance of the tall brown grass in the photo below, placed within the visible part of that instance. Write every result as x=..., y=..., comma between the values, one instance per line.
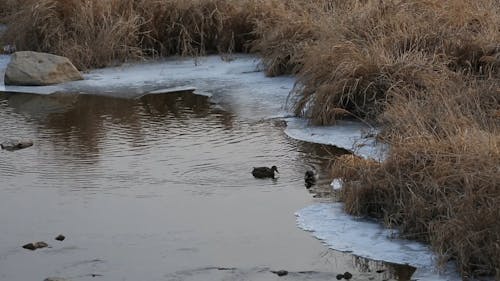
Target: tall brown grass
x=97, y=33
x=440, y=181
x=427, y=71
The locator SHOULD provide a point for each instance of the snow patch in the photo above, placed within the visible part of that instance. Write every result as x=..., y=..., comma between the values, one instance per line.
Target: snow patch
x=337, y=184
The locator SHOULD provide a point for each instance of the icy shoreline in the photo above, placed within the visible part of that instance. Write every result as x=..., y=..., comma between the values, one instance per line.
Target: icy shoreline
x=330, y=224
x=239, y=85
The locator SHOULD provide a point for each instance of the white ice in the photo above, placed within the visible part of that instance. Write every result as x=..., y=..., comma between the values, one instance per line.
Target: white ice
x=351, y=135
x=329, y=223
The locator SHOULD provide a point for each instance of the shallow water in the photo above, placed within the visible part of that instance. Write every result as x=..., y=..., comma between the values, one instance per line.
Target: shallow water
x=158, y=188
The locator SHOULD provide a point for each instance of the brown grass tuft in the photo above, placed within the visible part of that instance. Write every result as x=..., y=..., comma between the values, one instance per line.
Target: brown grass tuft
x=428, y=72
x=440, y=181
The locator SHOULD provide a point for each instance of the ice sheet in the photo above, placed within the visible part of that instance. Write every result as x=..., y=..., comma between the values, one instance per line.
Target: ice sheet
x=329, y=223
x=351, y=135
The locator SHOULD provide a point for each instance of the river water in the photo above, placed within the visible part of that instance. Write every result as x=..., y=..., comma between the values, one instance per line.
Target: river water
x=156, y=188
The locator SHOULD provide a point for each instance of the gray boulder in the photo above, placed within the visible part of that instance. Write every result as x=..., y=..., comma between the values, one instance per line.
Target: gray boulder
x=39, y=69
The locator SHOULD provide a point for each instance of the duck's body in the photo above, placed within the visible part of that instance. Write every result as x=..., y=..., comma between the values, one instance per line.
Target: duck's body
x=264, y=172
x=310, y=178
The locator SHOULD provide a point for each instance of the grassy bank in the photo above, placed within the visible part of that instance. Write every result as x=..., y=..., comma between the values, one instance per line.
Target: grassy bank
x=426, y=71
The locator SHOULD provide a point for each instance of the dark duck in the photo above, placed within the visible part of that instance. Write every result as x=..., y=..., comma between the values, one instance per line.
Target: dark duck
x=264, y=172
x=310, y=178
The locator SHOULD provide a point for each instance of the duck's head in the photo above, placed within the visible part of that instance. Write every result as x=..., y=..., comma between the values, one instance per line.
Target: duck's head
x=274, y=168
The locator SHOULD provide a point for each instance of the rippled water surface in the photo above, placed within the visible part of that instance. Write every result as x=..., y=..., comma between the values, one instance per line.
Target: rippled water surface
x=155, y=188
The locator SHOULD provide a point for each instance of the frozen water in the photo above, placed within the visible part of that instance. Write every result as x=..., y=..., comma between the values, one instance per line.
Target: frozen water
x=329, y=223
x=350, y=135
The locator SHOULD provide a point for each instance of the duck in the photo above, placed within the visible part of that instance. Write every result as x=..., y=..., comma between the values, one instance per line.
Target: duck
x=310, y=178
x=264, y=172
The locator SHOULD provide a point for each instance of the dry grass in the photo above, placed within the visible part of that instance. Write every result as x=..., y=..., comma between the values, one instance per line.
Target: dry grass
x=97, y=33
x=441, y=180
x=428, y=71
x=370, y=52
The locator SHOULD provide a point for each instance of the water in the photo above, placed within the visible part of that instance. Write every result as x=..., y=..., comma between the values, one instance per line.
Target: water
x=158, y=188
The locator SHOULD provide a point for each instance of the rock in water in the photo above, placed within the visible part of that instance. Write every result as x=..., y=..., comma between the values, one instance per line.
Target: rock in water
x=39, y=69
x=36, y=245
x=55, y=279
x=280, y=272
x=29, y=246
x=16, y=144
x=41, y=244
x=60, y=237
x=347, y=275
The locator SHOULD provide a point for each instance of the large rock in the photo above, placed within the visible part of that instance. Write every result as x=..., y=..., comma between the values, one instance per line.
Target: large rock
x=39, y=69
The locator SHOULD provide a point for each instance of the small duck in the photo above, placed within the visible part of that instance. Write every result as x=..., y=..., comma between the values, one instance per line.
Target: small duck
x=264, y=172
x=310, y=178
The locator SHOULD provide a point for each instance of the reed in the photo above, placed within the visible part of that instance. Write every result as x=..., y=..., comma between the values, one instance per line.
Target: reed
x=97, y=33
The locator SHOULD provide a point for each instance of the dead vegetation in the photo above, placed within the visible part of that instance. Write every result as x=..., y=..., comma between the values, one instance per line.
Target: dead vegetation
x=97, y=33
x=426, y=71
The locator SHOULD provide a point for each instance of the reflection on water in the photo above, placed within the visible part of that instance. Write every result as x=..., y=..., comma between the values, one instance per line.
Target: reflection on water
x=161, y=182
x=383, y=270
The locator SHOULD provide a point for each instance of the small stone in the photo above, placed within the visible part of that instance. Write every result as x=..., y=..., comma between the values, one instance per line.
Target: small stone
x=55, y=279
x=36, y=245
x=41, y=244
x=60, y=237
x=280, y=272
x=12, y=145
x=347, y=275
x=29, y=246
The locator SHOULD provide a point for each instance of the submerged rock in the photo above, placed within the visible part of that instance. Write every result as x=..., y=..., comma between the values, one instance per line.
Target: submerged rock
x=60, y=237
x=29, y=246
x=16, y=144
x=36, y=245
x=280, y=272
x=39, y=69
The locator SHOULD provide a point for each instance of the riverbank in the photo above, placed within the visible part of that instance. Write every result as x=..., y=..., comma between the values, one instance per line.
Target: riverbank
x=426, y=72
